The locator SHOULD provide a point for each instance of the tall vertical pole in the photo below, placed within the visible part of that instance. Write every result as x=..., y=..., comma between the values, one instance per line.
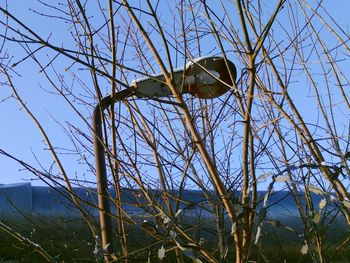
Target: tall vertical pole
x=101, y=174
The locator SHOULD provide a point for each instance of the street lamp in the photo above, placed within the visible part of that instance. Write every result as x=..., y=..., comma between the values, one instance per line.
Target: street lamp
x=205, y=78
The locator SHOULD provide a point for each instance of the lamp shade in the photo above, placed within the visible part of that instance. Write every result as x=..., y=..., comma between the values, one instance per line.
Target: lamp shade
x=209, y=77
x=205, y=78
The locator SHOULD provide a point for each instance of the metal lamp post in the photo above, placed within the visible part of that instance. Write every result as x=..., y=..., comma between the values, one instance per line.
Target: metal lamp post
x=204, y=78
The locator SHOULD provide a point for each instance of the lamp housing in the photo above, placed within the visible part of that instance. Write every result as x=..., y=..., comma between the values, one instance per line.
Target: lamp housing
x=205, y=78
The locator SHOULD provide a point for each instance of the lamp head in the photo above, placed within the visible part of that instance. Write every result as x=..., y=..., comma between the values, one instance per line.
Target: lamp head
x=204, y=78
x=209, y=77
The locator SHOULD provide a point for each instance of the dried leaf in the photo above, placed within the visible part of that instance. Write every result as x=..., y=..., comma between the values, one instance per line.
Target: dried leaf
x=275, y=223
x=317, y=218
x=257, y=236
x=178, y=213
x=322, y=203
x=315, y=190
x=166, y=219
x=283, y=178
x=161, y=253
x=188, y=252
x=233, y=228
x=304, y=249
x=289, y=228
x=264, y=176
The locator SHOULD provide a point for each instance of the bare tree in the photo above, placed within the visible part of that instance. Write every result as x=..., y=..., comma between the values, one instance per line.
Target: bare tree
x=283, y=121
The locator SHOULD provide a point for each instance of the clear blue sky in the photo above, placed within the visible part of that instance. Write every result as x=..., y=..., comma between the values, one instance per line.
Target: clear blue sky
x=18, y=134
